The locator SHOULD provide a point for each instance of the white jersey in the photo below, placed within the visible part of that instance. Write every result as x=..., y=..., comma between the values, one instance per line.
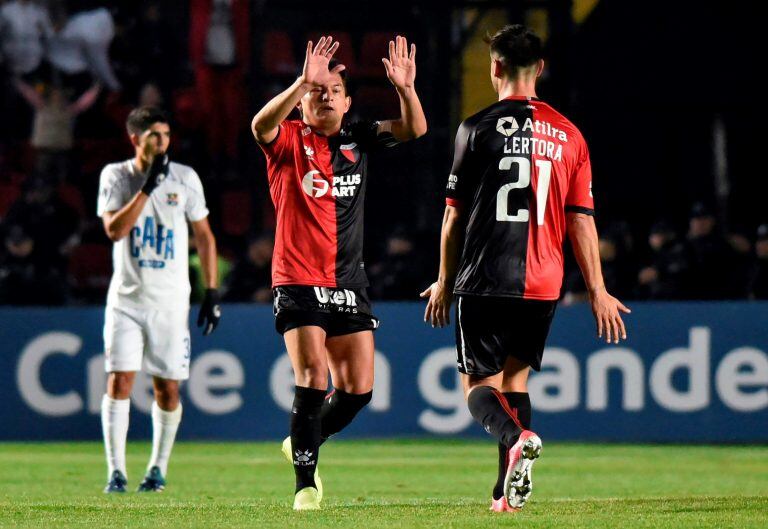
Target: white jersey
x=151, y=264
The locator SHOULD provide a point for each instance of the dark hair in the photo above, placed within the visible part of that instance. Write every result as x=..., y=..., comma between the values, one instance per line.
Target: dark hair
x=141, y=118
x=516, y=46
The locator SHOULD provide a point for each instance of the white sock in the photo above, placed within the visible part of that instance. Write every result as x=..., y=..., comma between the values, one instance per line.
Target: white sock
x=164, y=426
x=114, y=424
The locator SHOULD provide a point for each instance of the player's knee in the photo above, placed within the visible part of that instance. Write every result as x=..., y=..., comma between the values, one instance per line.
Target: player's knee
x=356, y=400
x=312, y=377
x=166, y=394
x=120, y=384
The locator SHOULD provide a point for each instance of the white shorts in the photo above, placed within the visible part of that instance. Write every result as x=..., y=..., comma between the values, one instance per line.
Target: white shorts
x=155, y=340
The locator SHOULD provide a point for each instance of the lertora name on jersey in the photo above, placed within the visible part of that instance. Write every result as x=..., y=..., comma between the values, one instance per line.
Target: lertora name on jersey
x=539, y=147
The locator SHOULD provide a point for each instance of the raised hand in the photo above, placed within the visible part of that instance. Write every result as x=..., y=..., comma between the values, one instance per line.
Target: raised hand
x=158, y=170
x=316, y=61
x=401, y=65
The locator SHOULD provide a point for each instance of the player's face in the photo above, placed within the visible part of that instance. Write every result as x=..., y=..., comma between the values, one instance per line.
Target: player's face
x=152, y=141
x=325, y=106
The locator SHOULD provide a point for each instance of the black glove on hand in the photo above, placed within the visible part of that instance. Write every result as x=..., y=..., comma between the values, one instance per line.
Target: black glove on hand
x=210, y=311
x=157, y=172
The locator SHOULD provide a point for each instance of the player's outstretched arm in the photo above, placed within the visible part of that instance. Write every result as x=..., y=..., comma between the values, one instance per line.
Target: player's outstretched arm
x=401, y=71
x=210, y=311
x=606, y=308
x=315, y=73
x=440, y=293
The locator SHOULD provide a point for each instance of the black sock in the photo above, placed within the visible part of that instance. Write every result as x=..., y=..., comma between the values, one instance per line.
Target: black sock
x=520, y=403
x=305, y=434
x=490, y=408
x=338, y=411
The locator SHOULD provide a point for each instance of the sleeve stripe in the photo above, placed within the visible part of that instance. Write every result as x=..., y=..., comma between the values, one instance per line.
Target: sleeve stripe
x=580, y=209
x=453, y=202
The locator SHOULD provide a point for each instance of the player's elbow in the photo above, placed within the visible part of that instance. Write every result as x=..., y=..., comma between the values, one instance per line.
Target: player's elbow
x=414, y=131
x=578, y=226
x=114, y=235
x=419, y=130
x=261, y=130
x=113, y=231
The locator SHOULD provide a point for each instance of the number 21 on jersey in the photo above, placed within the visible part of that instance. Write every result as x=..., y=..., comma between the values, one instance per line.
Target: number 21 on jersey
x=544, y=168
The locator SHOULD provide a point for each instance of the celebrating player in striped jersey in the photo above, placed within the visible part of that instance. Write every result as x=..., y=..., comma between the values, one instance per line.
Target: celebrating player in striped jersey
x=145, y=204
x=521, y=179
x=317, y=172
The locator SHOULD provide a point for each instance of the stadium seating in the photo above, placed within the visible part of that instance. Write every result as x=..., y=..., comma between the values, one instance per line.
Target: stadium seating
x=376, y=102
x=374, y=46
x=278, y=56
x=236, y=213
x=90, y=270
x=71, y=196
x=9, y=192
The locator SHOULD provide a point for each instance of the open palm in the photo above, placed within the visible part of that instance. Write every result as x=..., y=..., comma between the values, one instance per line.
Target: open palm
x=316, y=61
x=401, y=65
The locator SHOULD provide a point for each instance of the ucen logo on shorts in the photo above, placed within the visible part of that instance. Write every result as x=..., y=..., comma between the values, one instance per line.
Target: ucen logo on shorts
x=314, y=186
x=336, y=297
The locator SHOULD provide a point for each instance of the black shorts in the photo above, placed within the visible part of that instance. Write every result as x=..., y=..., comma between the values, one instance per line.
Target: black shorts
x=489, y=329
x=338, y=311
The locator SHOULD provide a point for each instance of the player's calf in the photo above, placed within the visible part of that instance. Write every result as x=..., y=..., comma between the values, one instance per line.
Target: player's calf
x=339, y=409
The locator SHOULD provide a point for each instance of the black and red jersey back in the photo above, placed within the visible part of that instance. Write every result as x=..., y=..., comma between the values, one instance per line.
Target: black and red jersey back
x=317, y=184
x=518, y=167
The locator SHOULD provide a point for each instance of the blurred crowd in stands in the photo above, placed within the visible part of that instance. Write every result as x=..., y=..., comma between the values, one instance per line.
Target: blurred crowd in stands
x=71, y=70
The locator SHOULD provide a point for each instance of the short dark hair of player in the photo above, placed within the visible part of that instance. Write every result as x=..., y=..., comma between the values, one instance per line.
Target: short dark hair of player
x=141, y=118
x=517, y=47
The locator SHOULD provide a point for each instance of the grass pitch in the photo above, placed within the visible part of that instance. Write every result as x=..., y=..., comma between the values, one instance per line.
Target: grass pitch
x=402, y=484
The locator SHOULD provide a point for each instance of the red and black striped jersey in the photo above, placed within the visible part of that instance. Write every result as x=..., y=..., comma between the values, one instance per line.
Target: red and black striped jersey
x=317, y=184
x=519, y=166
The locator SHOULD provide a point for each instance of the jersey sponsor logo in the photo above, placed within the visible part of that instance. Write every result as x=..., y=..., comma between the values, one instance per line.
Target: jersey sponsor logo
x=152, y=244
x=344, y=300
x=507, y=126
x=545, y=128
x=313, y=185
x=316, y=186
x=172, y=199
x=346, y=185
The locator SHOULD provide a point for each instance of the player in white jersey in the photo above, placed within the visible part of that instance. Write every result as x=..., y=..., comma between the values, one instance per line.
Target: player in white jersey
x=145, y=203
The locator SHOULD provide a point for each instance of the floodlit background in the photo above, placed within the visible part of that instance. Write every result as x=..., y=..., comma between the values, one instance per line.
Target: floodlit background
x=666, y=94
x=669, y=97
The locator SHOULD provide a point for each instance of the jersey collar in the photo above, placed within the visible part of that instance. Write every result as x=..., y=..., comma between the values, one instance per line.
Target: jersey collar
x=521, y=98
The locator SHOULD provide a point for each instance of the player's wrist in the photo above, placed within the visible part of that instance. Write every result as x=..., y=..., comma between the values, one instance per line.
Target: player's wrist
x=212, y=294
x=595, y=290
x=404, y=91
x=303, y=84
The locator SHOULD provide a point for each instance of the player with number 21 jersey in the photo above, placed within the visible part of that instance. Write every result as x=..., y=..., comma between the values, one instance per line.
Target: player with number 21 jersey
x=519, y=165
